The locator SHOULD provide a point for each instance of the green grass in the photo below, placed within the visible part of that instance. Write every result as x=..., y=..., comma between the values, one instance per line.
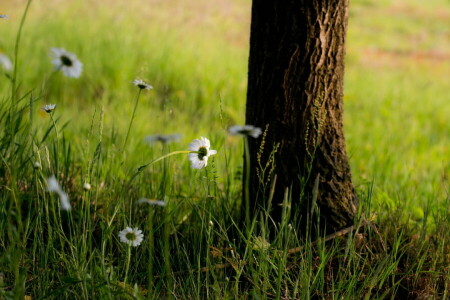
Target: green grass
x=195, y=56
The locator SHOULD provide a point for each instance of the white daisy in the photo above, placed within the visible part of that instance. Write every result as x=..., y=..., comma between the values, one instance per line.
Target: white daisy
x=142, y=85
x=201, y=146
x=152, y=202
x=53, y=186
x=163, y=138
x=48, y=108
x=249, y=130
x=67, y=62
x=132, y=237
x=5, y=62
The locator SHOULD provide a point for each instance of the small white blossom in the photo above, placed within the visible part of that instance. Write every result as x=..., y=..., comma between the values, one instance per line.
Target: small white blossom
x=5, y=62
x=37, y=165
x=152, y=202
x=67, y=62
x=201, y=146
x=142, y=85
x=249, y=130
x=48, y=108
x=163, y=138
x=132, y=237
x=87, y=186
x=53, y=186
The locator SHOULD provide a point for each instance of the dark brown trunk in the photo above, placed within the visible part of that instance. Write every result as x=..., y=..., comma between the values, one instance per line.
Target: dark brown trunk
x=295, y=86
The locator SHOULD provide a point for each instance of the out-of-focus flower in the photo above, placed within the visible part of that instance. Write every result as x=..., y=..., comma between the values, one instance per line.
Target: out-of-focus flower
x=67, y=62
x=163, y=138
x=142, y=85
x=248, y=130
x=152, y=202
x=5, y=62
x=87, y=186
x=53, y=186
x=48, y=108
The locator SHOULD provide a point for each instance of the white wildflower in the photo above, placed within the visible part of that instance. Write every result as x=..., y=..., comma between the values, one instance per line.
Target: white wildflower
x=67, y=62
x=87, y=186
x=201, y=146
x=163, y=138
x=53, y=186
x=248, y=130
x=132, y=237
x=5, y=62
x=48, y=108
x=152, y=202
x=142, y=85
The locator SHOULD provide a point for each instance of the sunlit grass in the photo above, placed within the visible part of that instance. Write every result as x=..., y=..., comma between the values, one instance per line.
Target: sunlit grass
x=194, y=54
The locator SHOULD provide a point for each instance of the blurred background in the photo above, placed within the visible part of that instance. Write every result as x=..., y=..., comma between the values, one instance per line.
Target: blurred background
x=194, y=53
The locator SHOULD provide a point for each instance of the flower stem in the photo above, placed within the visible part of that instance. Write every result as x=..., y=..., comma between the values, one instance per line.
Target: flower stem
x=165, y=156
x=150, y=251
x=56, y=143
x=132, y=118
x=127, y=267
x=12, y=110
x=167, y=265
x=54, y=126
x=16, y=51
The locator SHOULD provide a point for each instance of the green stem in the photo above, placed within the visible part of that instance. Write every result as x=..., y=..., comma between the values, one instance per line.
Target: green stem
x=132, y=118
x=150, y=253
x=49, y=78
x=167, y=265
x=16, y=63
x=139, y=170
x=56, y=143
x=16, y=52
x=165, y=156
x=127, y=267
x=54, y=126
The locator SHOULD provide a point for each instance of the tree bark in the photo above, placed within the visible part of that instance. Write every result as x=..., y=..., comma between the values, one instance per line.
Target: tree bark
x=295, y=86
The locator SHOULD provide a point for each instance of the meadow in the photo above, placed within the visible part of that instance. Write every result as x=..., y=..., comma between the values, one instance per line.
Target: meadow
x=194, y=54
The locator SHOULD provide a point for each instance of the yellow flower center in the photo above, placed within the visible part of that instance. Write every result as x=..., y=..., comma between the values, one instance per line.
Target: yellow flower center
x=130, y=236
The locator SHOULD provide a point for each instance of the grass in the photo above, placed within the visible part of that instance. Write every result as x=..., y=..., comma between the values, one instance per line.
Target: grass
x=195, y=56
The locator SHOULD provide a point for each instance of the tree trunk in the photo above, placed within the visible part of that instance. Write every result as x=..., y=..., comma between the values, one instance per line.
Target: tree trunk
x=295, y=86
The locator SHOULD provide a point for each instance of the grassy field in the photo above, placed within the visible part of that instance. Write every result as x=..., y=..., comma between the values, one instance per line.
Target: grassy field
x=194, y=54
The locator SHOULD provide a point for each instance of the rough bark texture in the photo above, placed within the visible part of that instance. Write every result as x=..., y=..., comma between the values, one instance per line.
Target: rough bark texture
x=295, y=85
